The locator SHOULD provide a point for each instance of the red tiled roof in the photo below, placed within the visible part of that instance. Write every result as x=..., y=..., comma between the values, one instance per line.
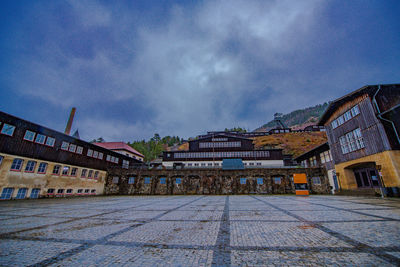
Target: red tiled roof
x=118, y=146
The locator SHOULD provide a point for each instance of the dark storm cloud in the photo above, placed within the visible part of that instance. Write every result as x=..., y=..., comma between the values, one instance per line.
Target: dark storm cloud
x=181, y=68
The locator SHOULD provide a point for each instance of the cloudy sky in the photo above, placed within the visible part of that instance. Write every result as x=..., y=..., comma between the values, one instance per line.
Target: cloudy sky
x=134, y=68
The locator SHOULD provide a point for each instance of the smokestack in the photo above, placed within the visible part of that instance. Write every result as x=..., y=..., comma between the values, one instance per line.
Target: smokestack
x=70, y=120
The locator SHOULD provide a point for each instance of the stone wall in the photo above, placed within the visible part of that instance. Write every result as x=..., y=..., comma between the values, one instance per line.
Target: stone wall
x=211, y=181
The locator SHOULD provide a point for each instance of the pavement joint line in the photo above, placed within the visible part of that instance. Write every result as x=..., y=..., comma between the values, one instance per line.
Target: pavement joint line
x=378, y=204
x=354, y=211
x=222, y=255
x=69, y=253
x=72, y=220
x=356, y=244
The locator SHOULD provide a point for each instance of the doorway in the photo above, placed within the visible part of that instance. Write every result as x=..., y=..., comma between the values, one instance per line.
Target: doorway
x=367, y=178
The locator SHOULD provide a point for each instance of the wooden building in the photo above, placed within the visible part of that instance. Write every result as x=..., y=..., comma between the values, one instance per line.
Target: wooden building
x=36, y=161
x=363, y=130
x=320, y=156
x=210, y=151
x=122, y=148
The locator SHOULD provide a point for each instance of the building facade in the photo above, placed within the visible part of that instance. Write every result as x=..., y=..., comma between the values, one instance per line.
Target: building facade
x=36, y=161
x=122, y=148
x=363, y=132
x=212, y=150
x=321, y=156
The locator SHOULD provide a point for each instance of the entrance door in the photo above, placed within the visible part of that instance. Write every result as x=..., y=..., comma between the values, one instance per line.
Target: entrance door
x=335, y=182
x=367, y=177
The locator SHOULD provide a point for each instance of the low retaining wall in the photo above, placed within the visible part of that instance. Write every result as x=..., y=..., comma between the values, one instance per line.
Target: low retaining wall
x=211, y=181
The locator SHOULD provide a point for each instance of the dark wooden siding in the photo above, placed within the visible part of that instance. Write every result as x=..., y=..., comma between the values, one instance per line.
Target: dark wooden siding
x=275, y=154
x=372, y=130
x=16, y=145
x=246, y=144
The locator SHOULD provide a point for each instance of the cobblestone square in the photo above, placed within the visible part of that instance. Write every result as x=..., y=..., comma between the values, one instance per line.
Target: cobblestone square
x=240, y=230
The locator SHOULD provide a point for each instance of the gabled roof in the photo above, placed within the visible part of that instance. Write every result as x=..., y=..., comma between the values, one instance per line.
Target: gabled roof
x=119, y=146
x=334, y=105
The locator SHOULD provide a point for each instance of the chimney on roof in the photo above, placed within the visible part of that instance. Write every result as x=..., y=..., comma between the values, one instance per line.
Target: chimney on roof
x=70, y=120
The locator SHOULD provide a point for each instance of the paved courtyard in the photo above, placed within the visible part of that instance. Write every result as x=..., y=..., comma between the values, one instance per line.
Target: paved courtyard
x=200, y=231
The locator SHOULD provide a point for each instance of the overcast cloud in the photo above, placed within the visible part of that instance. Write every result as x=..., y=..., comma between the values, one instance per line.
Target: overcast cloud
x=182, y=68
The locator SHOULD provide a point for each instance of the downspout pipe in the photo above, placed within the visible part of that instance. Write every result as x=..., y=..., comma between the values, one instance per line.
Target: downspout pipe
x=379, y=115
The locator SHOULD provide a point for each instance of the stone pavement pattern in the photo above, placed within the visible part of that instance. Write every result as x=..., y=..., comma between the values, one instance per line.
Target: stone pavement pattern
x=246, y=230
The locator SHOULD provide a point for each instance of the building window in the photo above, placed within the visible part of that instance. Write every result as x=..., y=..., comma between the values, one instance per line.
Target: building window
x=313, y=161
x=131, y=180
x=163, y=180
x=90, y=175
x=8, y=129
x=325, y=156
x=69, y=191
x=74, y=171
x=108, y=158
x=29, y=135
x=79, y=150
x=90, y=152
x=189, y=164
x=7, y=193
x=260, y=181
x=50, y=141
x=316, y=180
x=64, y=145
x=17, y=164
x=72, y=148
x=277, y=180
x=56, y=169
x=96, y=174
x=242, y=180
x=1, y=159
x=203, y=164
x=115, y=180
x=95, y=154
x=93, y=191
x=35, y=193
x=65, y=170
x=60, y=191
x=125, y=164
x=80, y=191
x=178, y=180
x=147, y=180
x=87, y=191
x=351, y=141
x=100, y=155
x=30, y=166
x=258, y=163
x=50, y=191
x=355, y=111
x=21, y=193
x=83, y=173
x=40, y=138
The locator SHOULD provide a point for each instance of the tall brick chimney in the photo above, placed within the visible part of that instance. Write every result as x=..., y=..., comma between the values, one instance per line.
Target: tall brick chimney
x=70, y=120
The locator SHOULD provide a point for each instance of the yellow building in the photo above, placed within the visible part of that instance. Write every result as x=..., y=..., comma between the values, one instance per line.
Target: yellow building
x=39, y=162
x=363, y=132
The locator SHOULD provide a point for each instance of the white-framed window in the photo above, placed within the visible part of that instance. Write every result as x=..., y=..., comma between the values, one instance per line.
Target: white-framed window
x=116, y=160
x=40, y=138
x=56, y=169
x=74, y=171
x=355, y=111
x=60, y=191
x=93, y=191
x=35, y=193
x=72, y=148
x=90, y=152
x=108, y=158
x=21, y=193
x=79, y=150
x=95, y=154
x=29, y=135
x=340, y=120
x=90, y=174
x=96, y=174
x=83, y=173
x=125, y=164
x=347, y=115
x=50, y=141
x=334, y=124
x=316, y=180
x=87, y=191
x=8, y=129
x=64, y=146
x=7, y=193
x=30, y=166
x=80, y=191
x=42, y=167
x=351, y=141
x=70, y=191
x=50, y=191
x=17, y=164
x=100, y=155
x=65, y=171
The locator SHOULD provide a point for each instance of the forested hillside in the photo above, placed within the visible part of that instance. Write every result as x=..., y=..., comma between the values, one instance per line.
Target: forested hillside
x=299, y=118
